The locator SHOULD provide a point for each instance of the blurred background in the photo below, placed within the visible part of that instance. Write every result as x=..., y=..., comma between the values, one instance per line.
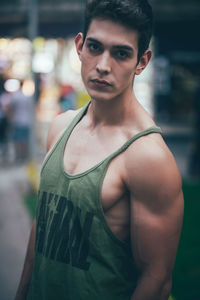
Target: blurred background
x=40, y=78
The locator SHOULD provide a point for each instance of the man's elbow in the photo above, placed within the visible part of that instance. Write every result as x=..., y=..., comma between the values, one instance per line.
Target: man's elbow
x=161, y=283
x=166, y=289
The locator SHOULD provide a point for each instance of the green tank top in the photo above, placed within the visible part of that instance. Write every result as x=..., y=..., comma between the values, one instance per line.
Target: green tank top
x=77, y=256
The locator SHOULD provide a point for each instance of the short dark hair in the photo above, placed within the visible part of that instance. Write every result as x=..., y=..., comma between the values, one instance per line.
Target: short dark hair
x=134, y=14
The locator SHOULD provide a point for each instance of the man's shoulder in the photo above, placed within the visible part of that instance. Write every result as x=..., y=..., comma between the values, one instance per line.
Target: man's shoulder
x=64, y=119
x=59, y=125
x=151, y=165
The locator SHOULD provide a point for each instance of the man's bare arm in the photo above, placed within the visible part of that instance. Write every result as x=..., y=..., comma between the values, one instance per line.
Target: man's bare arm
x=28, y=267
x=156, y=221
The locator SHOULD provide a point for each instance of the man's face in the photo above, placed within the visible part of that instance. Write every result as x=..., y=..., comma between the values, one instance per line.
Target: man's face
x=109, y=59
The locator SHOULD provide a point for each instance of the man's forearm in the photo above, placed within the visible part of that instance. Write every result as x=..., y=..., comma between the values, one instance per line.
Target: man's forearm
x=28, y=267
x=152, y=289
x=25, y=282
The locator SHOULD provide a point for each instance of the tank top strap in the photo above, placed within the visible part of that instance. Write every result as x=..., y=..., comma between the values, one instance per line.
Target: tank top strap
x=77, y=118
x=153, y=129
x=64, y=137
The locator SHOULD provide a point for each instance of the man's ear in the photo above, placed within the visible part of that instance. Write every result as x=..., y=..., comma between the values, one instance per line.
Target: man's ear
x=79, y=44
x=144, y=60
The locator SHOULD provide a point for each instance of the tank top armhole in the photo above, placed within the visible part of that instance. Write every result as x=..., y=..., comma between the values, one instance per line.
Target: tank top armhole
x=65, y=133
x=106, y=162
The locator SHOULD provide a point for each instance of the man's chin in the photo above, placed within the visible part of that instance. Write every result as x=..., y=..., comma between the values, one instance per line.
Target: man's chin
x=100, y=96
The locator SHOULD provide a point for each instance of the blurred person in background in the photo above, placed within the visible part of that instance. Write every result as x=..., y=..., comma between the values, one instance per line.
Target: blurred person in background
x=4, y=121
x=21, y=117
x=110, y=200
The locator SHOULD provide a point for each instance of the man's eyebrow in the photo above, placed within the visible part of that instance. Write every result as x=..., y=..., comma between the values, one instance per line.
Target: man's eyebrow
x=120, y=47
x=124, y=47
x=93, y=40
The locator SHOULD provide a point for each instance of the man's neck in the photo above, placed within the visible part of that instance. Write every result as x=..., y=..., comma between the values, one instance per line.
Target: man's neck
x=112, y=112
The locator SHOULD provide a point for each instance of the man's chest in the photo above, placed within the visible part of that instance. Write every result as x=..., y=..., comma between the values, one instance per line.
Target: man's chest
x=83, y=152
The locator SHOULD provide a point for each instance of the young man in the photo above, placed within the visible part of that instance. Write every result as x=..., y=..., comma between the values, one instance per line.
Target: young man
x=110, y=201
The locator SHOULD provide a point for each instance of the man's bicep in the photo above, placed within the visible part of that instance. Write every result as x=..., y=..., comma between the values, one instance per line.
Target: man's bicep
x=156, y=220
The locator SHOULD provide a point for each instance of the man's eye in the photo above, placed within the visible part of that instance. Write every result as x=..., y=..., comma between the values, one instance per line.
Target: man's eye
x=93, y=47
x=122, y=54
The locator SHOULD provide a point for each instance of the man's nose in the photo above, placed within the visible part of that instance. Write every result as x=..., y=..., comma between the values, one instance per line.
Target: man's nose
x=104, y=64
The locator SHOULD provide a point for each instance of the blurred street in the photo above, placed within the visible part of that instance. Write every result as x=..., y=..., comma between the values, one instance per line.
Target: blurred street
x=15, y=224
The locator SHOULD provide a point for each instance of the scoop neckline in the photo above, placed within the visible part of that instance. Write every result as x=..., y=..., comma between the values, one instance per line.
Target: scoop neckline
x=80, y=174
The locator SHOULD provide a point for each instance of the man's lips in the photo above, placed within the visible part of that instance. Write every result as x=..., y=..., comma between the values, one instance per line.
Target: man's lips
x=100, y=82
